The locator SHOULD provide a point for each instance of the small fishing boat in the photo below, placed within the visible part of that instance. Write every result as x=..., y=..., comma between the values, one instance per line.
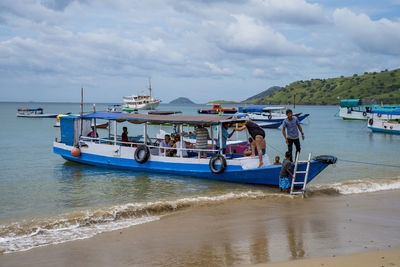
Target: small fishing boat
x=164, y=112
x=216, y=109
x=114, y=108
x=269, y=117
x=390, y=125
x=34, y=113
x=142, y=154
x=360, y=109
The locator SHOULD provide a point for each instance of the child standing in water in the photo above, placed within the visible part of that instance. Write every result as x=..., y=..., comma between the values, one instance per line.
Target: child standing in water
x=277, y=161
x=284, y=183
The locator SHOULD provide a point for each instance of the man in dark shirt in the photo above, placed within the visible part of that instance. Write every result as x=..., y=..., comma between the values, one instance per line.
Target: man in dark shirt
x=258, y=135
x=124, y=136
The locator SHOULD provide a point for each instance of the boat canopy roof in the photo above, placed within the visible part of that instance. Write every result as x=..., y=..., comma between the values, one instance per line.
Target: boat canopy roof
x=349, y=103
x=161, y=119
x=250, y=109
x=177, y=119
x=102, y=115
x=30, y=109
x=386, y=111
x=259, y=109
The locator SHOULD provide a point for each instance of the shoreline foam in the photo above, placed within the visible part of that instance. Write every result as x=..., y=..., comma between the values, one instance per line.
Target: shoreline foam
x=25, y=235
x=238, y=232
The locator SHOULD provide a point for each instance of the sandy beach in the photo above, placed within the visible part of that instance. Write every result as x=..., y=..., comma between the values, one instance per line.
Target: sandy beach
x=243, y=232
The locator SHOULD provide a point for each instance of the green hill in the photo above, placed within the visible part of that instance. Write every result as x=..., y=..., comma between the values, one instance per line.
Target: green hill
x=263, y=94
x=383, y=86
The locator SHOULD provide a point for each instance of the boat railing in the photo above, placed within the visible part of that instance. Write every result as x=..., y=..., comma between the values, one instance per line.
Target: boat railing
x=99, y=140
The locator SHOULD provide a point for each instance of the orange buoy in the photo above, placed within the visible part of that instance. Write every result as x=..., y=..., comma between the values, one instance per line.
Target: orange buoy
x=75, y=152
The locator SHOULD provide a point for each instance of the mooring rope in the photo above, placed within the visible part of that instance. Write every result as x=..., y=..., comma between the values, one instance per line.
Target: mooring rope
x=369, y=163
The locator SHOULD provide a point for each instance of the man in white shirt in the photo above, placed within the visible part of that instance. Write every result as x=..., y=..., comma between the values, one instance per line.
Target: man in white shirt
x=162, y=151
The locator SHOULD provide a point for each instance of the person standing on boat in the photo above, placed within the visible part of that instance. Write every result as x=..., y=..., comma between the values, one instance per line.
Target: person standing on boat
x=258, y=136
x=292, y=126
x=124, y=135
x=225, y=136
x=202, y=137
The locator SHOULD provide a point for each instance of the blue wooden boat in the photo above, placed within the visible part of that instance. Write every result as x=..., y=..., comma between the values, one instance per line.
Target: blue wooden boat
x=390, y=125
x=269, y=115
x=142, y=154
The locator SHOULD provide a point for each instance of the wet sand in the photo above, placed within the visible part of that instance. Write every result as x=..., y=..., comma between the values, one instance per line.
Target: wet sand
x=383, y=258
x=238, y=232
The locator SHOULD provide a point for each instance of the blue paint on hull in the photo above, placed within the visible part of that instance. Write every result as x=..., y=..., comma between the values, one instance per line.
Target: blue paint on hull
x=379, y=130
x=265, y=176
x=300, y=118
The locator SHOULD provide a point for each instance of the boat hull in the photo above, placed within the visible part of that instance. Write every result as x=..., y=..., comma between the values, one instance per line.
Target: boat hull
x=108, y=156
x=275, y=120
x=148, y=106
x=384, y=126
x=37, y=115
x=346, y=114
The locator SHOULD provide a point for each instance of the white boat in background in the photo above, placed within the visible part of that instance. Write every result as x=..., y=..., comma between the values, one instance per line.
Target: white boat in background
x=390, y=125
x=141, y=102
x=355, y=109
x=117, y=108
x=34, y=113
x=269, y=117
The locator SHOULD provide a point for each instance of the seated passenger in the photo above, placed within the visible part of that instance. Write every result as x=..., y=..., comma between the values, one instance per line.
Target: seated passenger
x=92, y=133
x=177, y=145
x=124, y=136
x=165, y=143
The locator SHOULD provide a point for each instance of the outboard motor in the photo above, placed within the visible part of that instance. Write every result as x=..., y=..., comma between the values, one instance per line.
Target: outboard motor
x=327, y=159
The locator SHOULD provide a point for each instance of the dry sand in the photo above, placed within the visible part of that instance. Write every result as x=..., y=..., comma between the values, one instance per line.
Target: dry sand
x=240, y=232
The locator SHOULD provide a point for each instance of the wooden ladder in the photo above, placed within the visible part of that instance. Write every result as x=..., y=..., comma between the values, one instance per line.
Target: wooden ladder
x=295, y=172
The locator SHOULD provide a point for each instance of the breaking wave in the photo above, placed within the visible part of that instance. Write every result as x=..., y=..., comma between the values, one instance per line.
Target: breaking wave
x=355, y=186
x=26, y=235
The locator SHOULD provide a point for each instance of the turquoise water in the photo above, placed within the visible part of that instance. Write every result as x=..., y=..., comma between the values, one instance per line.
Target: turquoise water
x=39, y=188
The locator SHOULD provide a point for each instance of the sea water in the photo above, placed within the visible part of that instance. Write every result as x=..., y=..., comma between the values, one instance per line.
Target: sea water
x=47, y=200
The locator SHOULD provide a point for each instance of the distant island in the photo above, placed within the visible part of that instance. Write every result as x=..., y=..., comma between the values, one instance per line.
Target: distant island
x=182, y=101
x=222, y=102
x=383, y=86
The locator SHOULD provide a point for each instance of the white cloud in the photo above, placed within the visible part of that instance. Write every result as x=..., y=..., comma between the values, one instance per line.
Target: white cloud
x=246, y=35
x=268, y=73
x=217, y=70
x=380, y=36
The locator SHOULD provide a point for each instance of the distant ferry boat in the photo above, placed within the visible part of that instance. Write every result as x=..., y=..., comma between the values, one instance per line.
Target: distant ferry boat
x=34, y=113
x=140, y=102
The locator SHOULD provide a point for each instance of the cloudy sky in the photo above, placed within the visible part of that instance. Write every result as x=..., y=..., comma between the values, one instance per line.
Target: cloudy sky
x=201, y=49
